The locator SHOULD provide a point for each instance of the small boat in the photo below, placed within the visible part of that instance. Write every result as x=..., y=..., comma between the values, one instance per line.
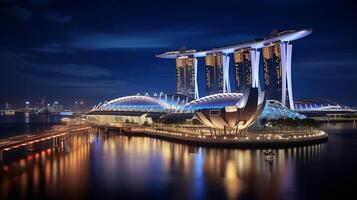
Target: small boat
x=7, y=112
x=66, y=113
x=64, y=119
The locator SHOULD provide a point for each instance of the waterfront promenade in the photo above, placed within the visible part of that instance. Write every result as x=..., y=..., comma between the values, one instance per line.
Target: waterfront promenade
x=190, y=135
x=251, y=139
x=55, y=133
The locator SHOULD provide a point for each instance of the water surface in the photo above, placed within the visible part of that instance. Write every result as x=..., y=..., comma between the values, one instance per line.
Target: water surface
x=112, y=166
x=21, y=123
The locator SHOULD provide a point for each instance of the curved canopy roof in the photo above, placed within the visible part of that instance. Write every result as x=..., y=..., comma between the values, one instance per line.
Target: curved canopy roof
x=171, y=103
x=214, y=101
x=318, y=101
x=155, y=103
x=285, y=36
x=135, y=103
x=318, y=104
x=275, y=110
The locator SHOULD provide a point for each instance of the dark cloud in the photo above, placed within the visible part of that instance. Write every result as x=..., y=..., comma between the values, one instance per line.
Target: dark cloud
x=161, y=38
x=39, y=2
x=56, y=17
x=51, y=48
x=111, y=41
x=17, y=13
x=72, y=70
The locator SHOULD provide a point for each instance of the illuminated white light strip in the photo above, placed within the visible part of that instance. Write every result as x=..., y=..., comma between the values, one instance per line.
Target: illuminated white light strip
x=257, y=58
x=196, y=85
x=289, y=78
x=283, y=69
x=226, y=83
x=286, y=55
x=255, y=55
x=94, y=107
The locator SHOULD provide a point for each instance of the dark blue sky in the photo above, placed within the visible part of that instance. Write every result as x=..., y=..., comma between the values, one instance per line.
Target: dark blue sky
x=98, y=50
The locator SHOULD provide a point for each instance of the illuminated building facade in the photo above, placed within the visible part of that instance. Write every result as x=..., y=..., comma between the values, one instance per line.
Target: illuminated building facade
x=225, y=111
x=214, y=73
x=217, y=73
x=242, y=70
x=272, y=71
x=277, y=54
x=277, y=73
x=186, y=76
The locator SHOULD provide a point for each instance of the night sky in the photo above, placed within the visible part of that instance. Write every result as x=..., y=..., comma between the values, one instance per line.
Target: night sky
x=98, y=50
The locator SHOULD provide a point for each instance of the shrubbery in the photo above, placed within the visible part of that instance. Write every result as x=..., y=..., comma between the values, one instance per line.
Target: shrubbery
x=289, y=122
x=196, y=122
x=172, y=120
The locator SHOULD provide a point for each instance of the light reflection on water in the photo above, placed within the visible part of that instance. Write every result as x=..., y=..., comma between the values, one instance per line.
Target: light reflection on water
x=97, y=164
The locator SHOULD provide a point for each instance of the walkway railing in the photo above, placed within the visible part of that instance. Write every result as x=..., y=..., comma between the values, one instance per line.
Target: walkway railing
x=27, y=139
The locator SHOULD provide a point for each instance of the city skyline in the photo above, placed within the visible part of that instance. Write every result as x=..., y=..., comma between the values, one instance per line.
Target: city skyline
x=96, y=62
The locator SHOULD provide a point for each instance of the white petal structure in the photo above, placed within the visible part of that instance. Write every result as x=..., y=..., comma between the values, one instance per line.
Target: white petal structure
x=228, y=111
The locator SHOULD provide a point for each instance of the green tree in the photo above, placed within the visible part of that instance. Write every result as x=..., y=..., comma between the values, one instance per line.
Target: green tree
x=196, y=122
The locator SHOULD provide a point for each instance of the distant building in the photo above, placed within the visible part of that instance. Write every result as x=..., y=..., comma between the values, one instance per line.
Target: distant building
x=214, y=73
x=56, y=107
x=27, y=105
x=41, y=104
x=242, y=70
x=186, y=75
x=7, y=106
